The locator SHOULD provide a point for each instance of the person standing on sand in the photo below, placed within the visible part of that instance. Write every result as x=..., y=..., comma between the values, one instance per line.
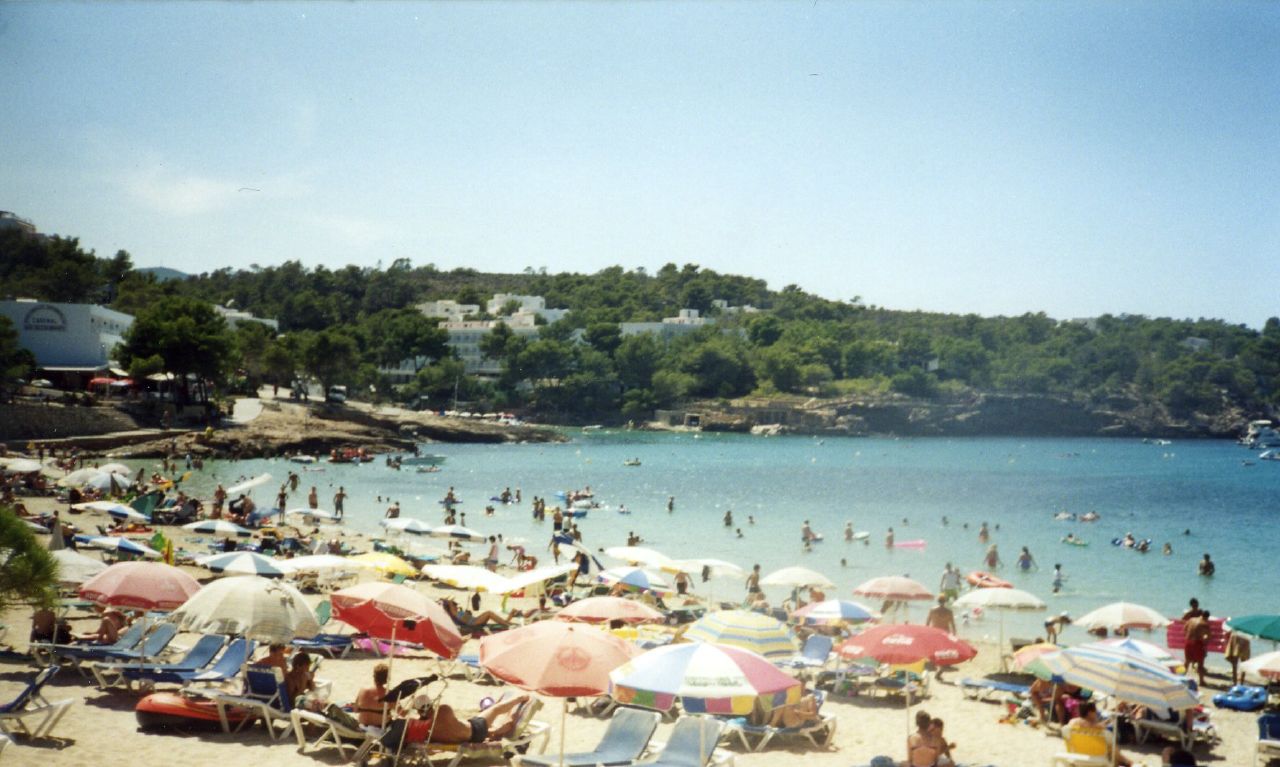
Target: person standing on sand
x=219, y=498
x=941, y=617
x=1198, y=631
x=338, y=499
x=753, y=581
x=1236, y=652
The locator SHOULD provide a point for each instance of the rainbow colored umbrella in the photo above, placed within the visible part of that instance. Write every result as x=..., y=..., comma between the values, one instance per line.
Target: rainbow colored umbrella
x=758, y=633
x=705, y=678
x=834, y=612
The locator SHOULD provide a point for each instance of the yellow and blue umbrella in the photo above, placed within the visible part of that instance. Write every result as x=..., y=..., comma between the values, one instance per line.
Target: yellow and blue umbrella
x=1125, y=676
x=705, y=678
x=758, y=633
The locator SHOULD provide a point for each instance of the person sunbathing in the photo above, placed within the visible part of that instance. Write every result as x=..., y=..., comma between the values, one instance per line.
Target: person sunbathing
x=439, y=724
x=368, y=705
x=800, y=714
x=300, y=680
x=472, y=622
x=108, y=631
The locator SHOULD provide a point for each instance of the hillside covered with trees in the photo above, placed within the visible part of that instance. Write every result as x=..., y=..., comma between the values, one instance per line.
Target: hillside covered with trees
x=341, y=325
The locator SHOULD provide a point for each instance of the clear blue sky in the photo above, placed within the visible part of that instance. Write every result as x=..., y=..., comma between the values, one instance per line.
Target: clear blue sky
x=1075, y=158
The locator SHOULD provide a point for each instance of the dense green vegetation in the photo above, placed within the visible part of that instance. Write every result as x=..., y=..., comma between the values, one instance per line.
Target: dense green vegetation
x=340, y=326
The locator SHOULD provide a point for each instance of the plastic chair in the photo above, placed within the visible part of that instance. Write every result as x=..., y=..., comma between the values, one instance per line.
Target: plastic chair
x=623, y=742
x=200, y=655
x=31, y=704
x=265, y=695
x=692, y=743
x=1268, y=738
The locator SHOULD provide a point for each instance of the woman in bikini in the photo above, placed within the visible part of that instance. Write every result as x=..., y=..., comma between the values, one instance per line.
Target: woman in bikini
x=921, y=748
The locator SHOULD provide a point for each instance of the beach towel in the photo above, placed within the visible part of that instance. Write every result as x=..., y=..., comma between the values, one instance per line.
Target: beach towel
x=1176, y=637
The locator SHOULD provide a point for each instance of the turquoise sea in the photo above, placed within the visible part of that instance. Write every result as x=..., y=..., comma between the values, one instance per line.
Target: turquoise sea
x=1154, y=491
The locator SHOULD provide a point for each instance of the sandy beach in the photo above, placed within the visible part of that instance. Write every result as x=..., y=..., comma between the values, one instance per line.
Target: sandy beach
x=100, y=727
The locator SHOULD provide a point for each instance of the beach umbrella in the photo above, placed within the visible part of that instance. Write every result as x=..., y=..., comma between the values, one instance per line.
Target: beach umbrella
x=78, y=477
x=219, y=527
x=1261, y=626
x=118, y=544
x=263, y=610
x=319, y=563
x=76, y=568
x=557, y=659
x=390, y=611
x=245, y=563
x=457, y=532
x=1122, y=615
x=109, y=483
x=639, y=555
x=249, y=484
x=635, y=578
x=1151, y=652
x=905, y=644
x=796, y=577
x=607, y=609
x=126, y=514
x=467, y=577
x=311, y=514
x=761, y=634
x=1002, y=601
x=140, y=585
x=115, y=468
x=1123, y=675
x=33, y=527
x=834, y=612
x=895, y=588
x=536, y=577
x=406, y=525
x=1028, y=658
x=22, y=466
x=388, y=564
x=705, y=678
x=106, y=507
x=1266, y=666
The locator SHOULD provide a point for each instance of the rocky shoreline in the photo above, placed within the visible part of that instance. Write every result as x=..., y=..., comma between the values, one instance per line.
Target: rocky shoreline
x=282, y=428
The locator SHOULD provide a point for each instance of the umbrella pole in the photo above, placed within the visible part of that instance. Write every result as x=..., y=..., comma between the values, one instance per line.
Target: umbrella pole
x=1004, y=664
x=564, y=716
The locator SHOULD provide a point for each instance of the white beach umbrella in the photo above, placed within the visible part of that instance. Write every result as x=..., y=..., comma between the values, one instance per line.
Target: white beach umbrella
x=116, y=543
x=639, y=555
x=1266, y=666
x=78, y=477
x=245, y=563
x=311, y=514
x=128, y=514
x=106, y=507
x=1122, y=615
x=1002, y=601
x=406, y=525
x=796, y=577
x=115, y=468
x=21, y=466
x=264, y=610
x=466, y=577
x=321, y=563
x=219, y=527
x=537, y=576
x=716, y=568
x=108, y=482
x=249, y=484
x=457, y=532
x=74, y=567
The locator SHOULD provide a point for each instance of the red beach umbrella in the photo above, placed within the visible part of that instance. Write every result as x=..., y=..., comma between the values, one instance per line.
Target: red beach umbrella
x=902, y=644
x=140, y=586
x=397, y=612
x=606, y=609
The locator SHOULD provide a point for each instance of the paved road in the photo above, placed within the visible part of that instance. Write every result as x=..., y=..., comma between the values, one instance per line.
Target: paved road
x=247, y=409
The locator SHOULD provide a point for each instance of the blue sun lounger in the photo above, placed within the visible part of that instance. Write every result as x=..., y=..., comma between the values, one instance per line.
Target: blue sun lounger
x=984, y=689
x=200, y=655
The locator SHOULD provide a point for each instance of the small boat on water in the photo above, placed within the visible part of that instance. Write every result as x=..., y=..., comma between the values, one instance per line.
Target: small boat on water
x=303, y=459
x=631, y=462
x=426, y=459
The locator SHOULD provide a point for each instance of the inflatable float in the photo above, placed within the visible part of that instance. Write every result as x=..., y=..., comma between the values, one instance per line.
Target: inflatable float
x=861, y=535
x=918, y=543
x=1242, y=697
x=172, y=711
x=983, y=580
x=1075, y=542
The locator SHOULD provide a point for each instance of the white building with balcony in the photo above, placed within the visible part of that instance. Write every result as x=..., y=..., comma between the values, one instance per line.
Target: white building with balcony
x=67, y=337
x=447, y=309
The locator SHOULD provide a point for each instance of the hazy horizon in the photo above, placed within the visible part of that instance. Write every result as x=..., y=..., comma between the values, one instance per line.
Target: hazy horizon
x=1076, y=158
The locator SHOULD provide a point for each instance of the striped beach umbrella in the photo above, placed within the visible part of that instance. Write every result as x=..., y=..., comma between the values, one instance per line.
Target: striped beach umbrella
x=758, y=633
x=705, y=678
x=245, y=563
x=895, y=588
x=834, y=612
x=1125, y=676
x=1154, y=653
x=406, y=525
x=118, y=544
x=219, y=527
x=636, y=578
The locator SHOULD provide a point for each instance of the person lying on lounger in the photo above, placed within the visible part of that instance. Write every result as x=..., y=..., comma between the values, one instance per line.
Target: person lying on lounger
x=473, y=622
x=440, y=724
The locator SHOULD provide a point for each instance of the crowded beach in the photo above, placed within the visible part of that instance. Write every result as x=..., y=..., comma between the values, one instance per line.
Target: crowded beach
x=252, y=625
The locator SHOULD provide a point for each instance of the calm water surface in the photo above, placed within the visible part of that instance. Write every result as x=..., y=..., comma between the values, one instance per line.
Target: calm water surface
x=1155, y=492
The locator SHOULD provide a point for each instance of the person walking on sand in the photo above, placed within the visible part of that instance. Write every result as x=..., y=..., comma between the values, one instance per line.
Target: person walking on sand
x=941, y=617
x=1198, y=631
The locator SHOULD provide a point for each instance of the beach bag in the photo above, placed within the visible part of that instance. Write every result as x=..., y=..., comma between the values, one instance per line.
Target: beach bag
x=341, y=716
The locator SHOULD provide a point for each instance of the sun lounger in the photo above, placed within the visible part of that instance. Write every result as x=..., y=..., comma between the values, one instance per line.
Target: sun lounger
x=692, y=743
x=527, y=731
x=815, y=653
x=1268, y=738
x=226, y=668
x=819, y=733
x=623, y=742
x=148, y=674
x=344, y=732
x=1201, y=730
x=30, y=704
x=332, y=644
x=265, y=696
x=985, y=689
x=157, y=641
x=79, y=653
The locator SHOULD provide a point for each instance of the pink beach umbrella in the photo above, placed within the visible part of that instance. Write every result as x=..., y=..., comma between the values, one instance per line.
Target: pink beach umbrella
x=141, y=586
x=894, y=589
x=555, y=658
x=606, y=609
x=396, y=612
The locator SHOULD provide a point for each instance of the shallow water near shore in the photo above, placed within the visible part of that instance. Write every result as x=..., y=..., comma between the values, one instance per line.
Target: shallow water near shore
x=1153, y=491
